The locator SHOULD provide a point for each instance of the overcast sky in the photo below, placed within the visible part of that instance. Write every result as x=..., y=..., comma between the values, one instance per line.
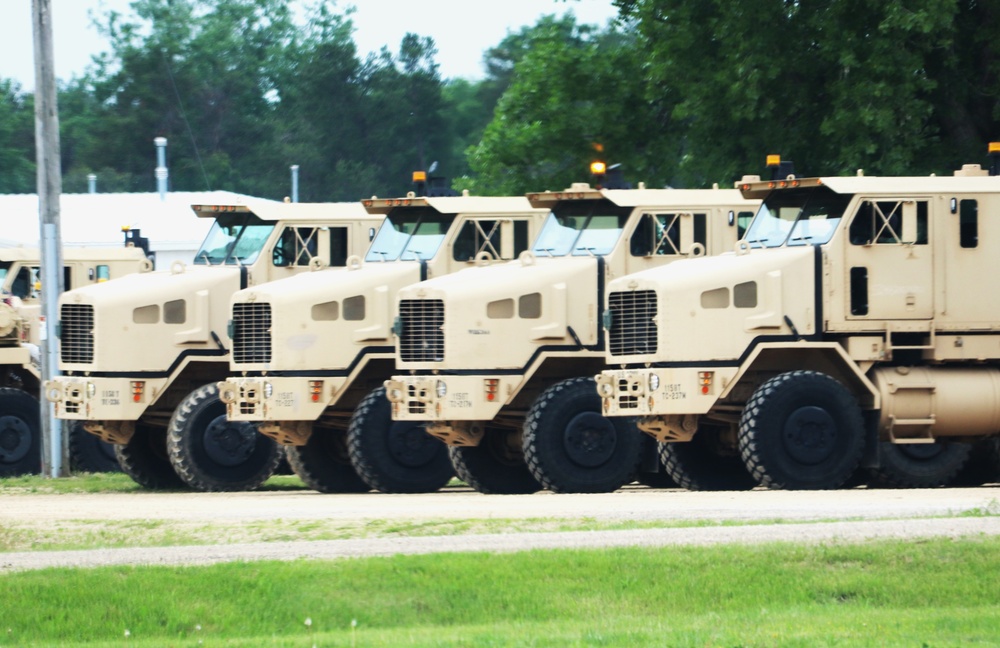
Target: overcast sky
x=461, y=29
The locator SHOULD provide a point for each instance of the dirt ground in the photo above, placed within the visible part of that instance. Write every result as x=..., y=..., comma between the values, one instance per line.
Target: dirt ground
x=754, y=516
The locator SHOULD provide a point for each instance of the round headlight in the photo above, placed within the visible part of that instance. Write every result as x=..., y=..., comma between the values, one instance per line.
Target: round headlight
x=442, y=389
x=607, y=389
x=268, y=389
x=396, y=395
x=654, y=382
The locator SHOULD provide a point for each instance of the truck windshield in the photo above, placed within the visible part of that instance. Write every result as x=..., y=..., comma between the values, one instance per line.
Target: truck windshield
x=797, y=217
x=234, y=241
x=581, y=228
x=410, y=234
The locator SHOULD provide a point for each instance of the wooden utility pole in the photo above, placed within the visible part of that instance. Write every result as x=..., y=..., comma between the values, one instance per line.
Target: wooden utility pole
x=55, y=459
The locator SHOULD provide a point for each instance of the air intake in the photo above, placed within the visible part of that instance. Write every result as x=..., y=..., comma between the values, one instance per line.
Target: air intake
x=633, y=323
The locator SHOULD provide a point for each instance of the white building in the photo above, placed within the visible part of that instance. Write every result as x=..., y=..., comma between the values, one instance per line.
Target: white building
x=173, y=229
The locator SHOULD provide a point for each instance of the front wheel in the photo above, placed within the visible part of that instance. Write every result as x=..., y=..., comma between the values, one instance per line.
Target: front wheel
x=571, y=447
x=88, y=452
x=211, y=453
x=395, y=456
x=144, y=459
x=324, y=464
x=496, y=466
x=801, y=430
x=20, y=433
x=705, y=463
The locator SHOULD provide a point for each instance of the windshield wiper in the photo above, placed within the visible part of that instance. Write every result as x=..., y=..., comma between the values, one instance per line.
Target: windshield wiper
x=590, y=250
x=208, y=259
x=546, y=250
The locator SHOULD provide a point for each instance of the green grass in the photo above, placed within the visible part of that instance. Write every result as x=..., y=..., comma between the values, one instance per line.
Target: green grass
x=930, y=593
x=109, y=483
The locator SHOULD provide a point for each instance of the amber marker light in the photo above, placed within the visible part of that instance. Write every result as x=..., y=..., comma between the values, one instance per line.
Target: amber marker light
x=705, y=380
x=773, y=160
x=315, y=390
x=598, y=168
x=419, y=176
x=138, y=387
x=491, y=385
x=993, y=147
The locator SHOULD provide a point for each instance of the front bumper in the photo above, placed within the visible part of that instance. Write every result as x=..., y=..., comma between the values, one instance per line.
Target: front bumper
x=653, y=392
x=102, y=399
x=278, y=398
x=449, y=398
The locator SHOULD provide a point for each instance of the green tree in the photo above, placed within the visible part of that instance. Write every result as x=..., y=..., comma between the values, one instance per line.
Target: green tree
x=17, y=139
x=573, y=90
x=835, y=85
x=201, y=73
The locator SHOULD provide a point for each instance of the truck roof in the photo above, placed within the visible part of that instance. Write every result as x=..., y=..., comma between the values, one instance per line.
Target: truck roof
x=73, y=253
x=270, y=210
x=453, y=204
x=970, y=180
x=640, y=197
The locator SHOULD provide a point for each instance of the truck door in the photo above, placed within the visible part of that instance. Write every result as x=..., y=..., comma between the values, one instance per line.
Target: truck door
x=889, y=260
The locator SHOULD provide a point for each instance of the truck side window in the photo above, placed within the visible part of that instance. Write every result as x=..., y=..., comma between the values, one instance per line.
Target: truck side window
x=295, y=246
x=881, y=223
x=660, y=234
x=338, y=246
x=521, y=241
x=968, y=223
x=743, y=222
x=477, y=236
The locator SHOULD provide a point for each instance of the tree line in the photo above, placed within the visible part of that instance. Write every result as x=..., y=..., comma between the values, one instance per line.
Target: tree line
x=680, y=93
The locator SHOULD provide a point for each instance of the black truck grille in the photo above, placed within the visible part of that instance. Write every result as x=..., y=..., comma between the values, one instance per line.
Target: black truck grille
x=422, y=338
x=633, y=329
x=251, y=333
x=76, y=322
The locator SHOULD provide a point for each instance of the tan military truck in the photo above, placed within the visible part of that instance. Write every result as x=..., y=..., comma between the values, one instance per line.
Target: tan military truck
x=499, y=361
x=309, y=351
x=20, y=338
x=849, y=327
x=141, y=356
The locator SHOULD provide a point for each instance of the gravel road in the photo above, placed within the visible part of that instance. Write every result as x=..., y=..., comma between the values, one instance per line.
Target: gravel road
x=827, y=516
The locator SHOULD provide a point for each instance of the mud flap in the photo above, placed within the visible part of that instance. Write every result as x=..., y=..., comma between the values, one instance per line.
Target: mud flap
x=871, y=458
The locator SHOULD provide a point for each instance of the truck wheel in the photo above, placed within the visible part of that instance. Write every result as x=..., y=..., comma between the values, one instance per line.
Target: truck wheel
x=659, y=479
x=924, y=465
x=702, y=464
x=801, y=430
x=88, y=452
x=571, y=448
x=144, y=459
x=211, y=453
x=983, y=466
x=395, y=457
x=324, y=464
x=496, y=466
x=20, y=433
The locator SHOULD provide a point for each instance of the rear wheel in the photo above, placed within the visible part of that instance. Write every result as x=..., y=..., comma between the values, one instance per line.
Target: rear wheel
x=496, y=466
x=211, y=453
x=801, y=430
x=983, y=466
x=395, y=457
x=88, y=452
x=144, y=459
x=705, y=463
x=324, y=464
x=20, y=433
x=919, y=465
x=571, y=447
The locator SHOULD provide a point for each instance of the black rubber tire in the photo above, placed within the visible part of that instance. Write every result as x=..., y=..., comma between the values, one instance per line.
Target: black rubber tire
x=211, y=453
x=702, y=465
x=918, y=466
x=659, y=479
x=983, y=466
x=88, y=452
x=284, y=468
x=395, y=457
x=20, y=433
x=144, y=459
x=801, y=430
x=324, y=464
x=496, y=466
x=571, y=447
